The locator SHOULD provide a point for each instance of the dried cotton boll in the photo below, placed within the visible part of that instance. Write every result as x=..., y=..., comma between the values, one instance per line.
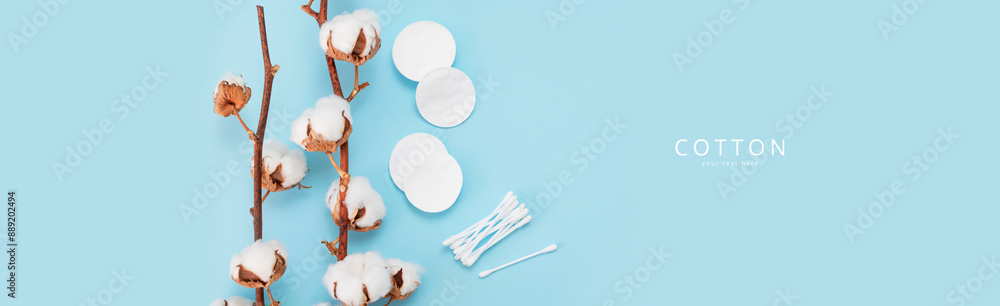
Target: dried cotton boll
x=365, y=208
x=231, y=95
x=405, y=277
x=259, y=264
x=232, y=301
x=325, y=127
x=351, y=37
x=358, y=279
x=283, y=168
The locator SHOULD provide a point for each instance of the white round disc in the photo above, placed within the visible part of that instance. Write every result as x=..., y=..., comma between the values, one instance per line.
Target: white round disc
x=446, y=97
x=410, y=153
x=421, y=47
x=435, y=186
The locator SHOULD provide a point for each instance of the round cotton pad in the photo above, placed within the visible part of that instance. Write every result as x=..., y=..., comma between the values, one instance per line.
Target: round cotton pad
x=435, y=186
x=410, y=153
x=446, y=97
x=421, y=47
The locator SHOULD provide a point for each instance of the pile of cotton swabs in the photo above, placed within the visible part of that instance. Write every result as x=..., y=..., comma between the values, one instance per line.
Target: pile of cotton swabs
x=506, y=218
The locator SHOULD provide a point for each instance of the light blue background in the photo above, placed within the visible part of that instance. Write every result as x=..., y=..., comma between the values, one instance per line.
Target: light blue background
x=609, y=59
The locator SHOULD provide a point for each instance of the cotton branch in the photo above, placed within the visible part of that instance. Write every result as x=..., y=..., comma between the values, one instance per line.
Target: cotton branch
x=258, y=143
x=320, y=17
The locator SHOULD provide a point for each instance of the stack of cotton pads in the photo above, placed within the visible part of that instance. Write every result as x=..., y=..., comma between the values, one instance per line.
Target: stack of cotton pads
x=424, y=52
x=505, y=218
x=422, y=168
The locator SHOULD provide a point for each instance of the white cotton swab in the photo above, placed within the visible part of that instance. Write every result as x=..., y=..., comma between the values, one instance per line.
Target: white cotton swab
x=550, y=248
x=469, y=244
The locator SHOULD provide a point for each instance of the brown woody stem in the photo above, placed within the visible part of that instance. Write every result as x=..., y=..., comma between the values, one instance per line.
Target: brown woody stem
x=321, y=17
x=249, y=132
x=258, y=141
x=357, y=88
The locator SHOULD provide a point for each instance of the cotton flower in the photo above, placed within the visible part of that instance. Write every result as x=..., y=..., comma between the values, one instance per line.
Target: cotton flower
x=351, y=37
x=231, y=95
x=259, y=265
x=325, y=127
x=232, y=301
x=405, y=277
x=358, y=279
x=365, y=208
x=283, y=168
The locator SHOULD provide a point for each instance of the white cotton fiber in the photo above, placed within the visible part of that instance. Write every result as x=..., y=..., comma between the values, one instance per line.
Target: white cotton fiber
x=218, y=302
x=322, y=304
x=299, y=127
x=410, y=153
x=355, y=272
x=446, y=97
x=421, y=47
x=230, y=78
x=293, y=167
x=411, y=274
x=344, y=29
x=293, y=162
x=258, y=258
x=359, y=194
x=272, y=153
x=325, y=119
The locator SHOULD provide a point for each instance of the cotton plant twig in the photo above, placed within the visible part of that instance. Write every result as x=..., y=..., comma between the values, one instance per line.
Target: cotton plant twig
x=345, y=178
x=253, y=137
x=357, y=88
x=258, y=140
x=321, y=17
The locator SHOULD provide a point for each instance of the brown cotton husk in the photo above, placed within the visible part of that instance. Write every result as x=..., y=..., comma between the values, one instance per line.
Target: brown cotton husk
x=274, y=181
x=314, y=142
x=279, y=267
x=230, y=98
x=397, y=286
x=359, y=46
x=251, y=280
x=248, y=279
x=351, y=225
